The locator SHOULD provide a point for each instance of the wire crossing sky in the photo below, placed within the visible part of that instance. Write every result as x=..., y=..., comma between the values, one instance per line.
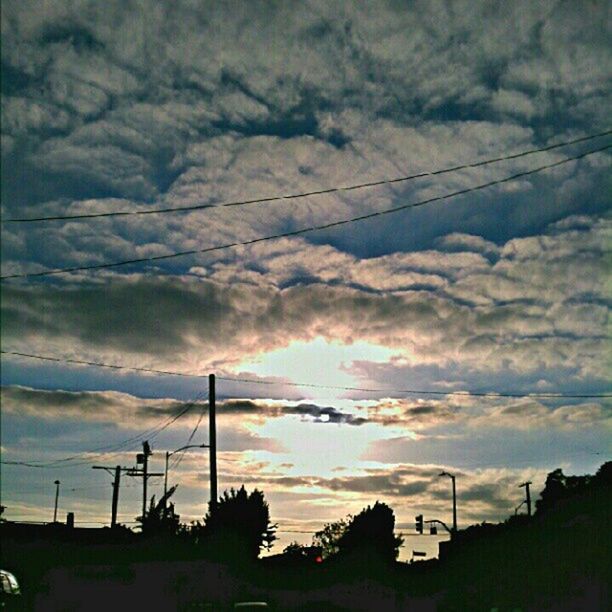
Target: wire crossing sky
x=329, y=190
x=306, y=230
x=305, y=384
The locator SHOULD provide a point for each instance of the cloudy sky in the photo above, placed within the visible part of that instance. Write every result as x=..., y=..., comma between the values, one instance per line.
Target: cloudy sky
x=138, y=106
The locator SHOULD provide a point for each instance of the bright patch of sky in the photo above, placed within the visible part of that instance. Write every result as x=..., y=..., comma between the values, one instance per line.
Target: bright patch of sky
x=319, y=447
x=319, y=362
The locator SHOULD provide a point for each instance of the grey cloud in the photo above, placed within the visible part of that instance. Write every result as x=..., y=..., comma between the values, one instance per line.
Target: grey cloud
x=489, y=493
x=519, y=315
x=122, y=408
x=467, y=242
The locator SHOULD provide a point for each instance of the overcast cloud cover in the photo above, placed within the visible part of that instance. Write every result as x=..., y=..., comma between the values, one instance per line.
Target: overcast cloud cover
x=127, y=106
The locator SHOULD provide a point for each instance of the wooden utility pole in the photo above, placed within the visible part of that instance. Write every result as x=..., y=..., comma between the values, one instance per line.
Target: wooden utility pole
x=115, y=502
x=57, y=486
x=212, y=436
x=116, y=482
x=146, y=452
x=143, y=459
x=527, y=496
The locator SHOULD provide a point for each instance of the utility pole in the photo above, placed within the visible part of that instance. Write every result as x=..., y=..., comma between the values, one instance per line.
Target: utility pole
x=57, y=486
x=115, y=502
x=116, y=482
x=143, y=458
x=212, y=436
x=527, y=496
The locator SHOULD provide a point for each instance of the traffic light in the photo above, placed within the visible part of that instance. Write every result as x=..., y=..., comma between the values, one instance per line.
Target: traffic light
x=419, y=523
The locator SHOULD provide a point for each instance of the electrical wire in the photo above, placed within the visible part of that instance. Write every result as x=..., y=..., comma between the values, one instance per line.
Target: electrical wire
x=181, y=454
x=318, y=192
x=492, y=394
x=71, y=461
x=305, y=230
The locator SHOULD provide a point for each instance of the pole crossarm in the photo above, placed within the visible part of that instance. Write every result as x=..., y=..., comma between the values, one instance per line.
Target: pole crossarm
x=110, y=470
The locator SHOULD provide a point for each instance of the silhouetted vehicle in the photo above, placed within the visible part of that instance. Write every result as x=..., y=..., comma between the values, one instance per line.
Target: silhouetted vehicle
x=10, y=593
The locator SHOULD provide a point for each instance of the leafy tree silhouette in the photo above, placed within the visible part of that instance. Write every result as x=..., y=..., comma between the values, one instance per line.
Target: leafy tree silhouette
x=370, y=533
x=329, y=536
x=559, y=486
x=238, y=525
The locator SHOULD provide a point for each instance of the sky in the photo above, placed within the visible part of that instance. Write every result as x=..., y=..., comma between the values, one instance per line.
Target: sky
x=360, y=340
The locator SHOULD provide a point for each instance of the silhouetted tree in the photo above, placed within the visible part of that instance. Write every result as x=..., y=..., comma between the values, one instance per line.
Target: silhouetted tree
x=559, y=486
x=160, y=518
x=371, y=533
x=329, y=536
x=239, y=524
x=603, y=477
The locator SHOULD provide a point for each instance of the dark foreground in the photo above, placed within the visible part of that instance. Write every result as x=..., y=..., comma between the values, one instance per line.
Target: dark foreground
x=560, y=561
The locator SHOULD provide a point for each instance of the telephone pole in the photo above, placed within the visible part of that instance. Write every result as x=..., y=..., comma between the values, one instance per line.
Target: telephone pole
x=116, y=482
x=212, y=436
x=146, y=452
x=527, y=496
x=115, y=502
x=143, y=459
x=57, y=486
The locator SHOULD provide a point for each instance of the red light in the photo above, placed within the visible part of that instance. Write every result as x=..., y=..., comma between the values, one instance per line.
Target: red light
x=319, y=559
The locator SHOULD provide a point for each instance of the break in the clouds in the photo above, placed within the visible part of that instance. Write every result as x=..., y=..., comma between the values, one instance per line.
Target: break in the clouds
x=118, y=106
x=386, y=470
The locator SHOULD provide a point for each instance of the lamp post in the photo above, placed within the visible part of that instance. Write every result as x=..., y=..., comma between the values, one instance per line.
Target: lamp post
x=452, y=477
x=169, y=454
x=57, y=486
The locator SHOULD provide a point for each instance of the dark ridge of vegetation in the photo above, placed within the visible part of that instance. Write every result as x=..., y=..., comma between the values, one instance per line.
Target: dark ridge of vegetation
x=562, y=553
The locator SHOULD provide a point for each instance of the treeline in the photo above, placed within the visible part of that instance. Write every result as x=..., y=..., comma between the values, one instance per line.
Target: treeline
x=524, y=562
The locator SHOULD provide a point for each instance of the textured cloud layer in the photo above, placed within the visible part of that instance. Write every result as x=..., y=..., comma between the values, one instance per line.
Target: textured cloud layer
x=312, y=97
x=536, y=307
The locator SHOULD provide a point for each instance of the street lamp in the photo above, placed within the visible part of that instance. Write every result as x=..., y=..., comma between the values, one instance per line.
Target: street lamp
x=169, y=454
x=57, y=486
x=452, y=477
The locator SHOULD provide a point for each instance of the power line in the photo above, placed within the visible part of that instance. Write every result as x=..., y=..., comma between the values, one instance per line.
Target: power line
x=293, y=196
x=306, y=230
x=70, y=461
x=492, y=394
x=181, y=454
x=101, y=365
